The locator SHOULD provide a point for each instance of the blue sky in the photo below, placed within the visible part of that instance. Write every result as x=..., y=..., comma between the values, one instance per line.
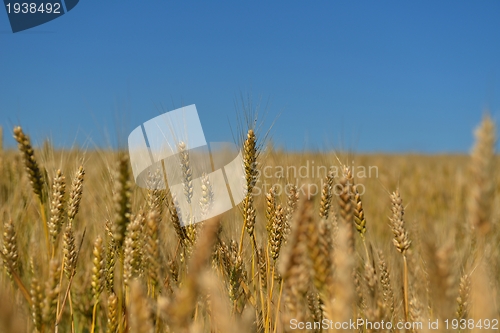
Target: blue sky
x=392, y=76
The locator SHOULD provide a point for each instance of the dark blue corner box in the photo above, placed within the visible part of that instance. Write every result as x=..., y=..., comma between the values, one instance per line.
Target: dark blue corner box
x=26, y=14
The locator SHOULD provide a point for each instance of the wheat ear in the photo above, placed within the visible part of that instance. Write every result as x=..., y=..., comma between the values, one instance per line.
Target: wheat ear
x=11, y=254
x=326, y=196
x=75, y=195
x=250, y=167
x=35, y=176
x=57, y=208
x=112, y=314
x=207, y=195
x=36, y=293
x=359, y=219
x=121, y=201
x=345, y=204
x=140, y=312
x=291, y=206
x=385, y=281
x=69, y=251
x=132, y=249
x=156, y=196
x=276, y=231
x=152, y=251
x=187, y=171
x=97, y=277
x=483, y=171
x=295, y=264
x=463, y=297
x=110, y=260
x=52, y=291
x=401, y=241
x=179, y=312
x=270, y=206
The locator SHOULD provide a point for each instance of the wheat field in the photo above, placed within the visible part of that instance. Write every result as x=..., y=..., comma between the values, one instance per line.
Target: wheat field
x=322, y=242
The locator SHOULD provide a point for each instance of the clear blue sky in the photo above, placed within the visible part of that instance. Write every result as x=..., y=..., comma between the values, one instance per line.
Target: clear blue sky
x=368, y=76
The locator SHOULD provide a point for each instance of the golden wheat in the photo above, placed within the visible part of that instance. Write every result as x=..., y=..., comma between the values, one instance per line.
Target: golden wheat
x=126, y=262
